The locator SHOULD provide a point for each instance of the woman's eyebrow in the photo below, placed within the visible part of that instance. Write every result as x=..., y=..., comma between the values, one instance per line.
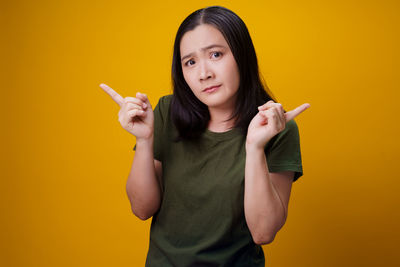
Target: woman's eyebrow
x=204, y=49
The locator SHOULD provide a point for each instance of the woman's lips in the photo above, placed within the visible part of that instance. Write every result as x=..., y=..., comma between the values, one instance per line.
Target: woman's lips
x=212, y=89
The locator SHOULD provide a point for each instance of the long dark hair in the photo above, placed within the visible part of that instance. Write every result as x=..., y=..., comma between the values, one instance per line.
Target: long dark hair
x=188, y=113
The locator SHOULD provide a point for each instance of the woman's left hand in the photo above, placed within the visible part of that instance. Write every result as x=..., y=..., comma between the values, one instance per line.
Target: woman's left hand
x=269, y=121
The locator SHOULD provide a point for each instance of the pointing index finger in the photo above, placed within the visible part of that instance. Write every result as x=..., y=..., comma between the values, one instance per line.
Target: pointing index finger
x=293, y=113
x=114, y=95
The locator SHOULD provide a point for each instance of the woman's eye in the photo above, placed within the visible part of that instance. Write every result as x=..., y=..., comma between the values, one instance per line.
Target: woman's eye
x=217, y=54
x=189, y=63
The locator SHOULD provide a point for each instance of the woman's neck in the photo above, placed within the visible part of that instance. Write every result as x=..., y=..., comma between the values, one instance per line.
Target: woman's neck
x=218, y=121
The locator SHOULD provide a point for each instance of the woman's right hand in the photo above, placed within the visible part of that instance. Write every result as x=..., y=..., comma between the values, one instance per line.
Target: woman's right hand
x=136, y=114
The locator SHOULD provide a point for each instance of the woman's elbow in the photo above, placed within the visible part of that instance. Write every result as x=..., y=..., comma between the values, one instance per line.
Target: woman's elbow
x=142, y=215
x=263, y=239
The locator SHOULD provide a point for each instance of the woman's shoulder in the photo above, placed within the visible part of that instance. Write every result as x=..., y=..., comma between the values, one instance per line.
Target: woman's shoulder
x=289, y=134
x=163, y=104
x=165, y=100
x=291, y=131
x=291, y=126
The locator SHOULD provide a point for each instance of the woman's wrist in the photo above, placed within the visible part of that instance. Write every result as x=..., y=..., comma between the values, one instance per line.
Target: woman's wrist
x=253, y=147
x=252, y=142
x=144, y=142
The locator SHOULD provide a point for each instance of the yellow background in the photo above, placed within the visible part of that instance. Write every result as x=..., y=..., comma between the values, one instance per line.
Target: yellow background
x=65, y=157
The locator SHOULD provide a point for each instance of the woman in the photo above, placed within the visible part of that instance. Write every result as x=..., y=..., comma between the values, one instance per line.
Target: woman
x=215, y=161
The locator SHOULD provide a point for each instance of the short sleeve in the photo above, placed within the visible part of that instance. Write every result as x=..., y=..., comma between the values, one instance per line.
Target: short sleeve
x=283, y=151
x=159, y=121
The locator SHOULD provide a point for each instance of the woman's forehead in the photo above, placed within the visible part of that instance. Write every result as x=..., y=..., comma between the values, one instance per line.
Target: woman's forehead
x=200, y=38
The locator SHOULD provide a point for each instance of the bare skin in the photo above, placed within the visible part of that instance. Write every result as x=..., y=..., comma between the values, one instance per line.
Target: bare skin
x=267, y=194
x=143, y=186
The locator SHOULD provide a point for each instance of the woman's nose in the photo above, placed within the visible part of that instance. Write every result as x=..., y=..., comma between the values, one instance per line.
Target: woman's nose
x=205, y=71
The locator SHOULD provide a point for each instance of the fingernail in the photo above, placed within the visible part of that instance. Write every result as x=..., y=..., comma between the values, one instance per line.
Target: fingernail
x=144, y=105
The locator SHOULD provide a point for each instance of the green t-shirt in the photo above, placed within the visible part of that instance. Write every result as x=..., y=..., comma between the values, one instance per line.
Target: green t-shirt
x=201, y=219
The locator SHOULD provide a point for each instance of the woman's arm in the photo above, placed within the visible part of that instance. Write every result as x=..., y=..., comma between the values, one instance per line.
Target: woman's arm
x=136, y=116
x=266, y=197
x=266, y=194
x=143, y=186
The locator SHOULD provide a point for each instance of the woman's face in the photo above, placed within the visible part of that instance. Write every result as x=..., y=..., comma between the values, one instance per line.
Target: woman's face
x=208, y=61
